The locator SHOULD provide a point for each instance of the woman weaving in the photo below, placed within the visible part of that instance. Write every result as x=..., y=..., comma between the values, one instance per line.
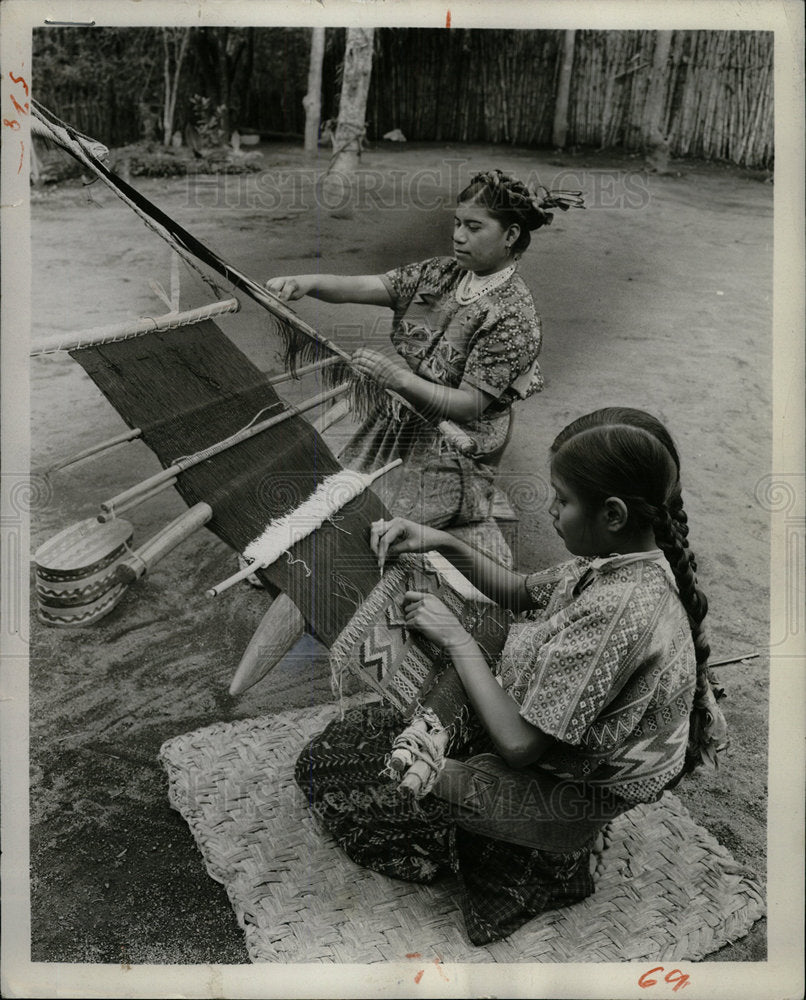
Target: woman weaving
x=466, y=336
x=600, y=700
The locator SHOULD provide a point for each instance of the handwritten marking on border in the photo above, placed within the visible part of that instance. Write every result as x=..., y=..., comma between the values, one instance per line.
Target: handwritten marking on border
x=21, y=109
x=680, y=979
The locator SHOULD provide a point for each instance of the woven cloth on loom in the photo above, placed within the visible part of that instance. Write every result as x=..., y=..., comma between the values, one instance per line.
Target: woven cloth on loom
x=396, y=661
x=189, y=388
x=666, y=890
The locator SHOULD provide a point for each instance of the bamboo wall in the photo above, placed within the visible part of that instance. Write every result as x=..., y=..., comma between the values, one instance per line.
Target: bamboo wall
x=499, y=86
x=461, y=85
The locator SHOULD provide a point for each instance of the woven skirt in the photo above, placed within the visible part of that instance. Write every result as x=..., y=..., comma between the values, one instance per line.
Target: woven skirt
x=502, y=885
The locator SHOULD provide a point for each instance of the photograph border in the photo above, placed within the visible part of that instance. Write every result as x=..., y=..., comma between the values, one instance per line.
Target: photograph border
x=782, y=974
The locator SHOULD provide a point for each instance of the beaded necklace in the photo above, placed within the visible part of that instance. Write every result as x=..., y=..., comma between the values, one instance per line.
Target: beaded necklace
x=471, y=287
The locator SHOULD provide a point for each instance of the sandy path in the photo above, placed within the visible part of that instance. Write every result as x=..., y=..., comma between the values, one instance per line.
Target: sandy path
x=658, y=296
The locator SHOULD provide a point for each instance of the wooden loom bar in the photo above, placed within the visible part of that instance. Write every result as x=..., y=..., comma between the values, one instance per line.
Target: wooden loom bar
x=147, y=487
x=133, y=328
x=130, y=435
x=135, y=501
x=136, y=432
x=305, y=370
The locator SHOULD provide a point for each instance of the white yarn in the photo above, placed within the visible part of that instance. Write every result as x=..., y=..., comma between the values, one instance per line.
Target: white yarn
x=283, y=532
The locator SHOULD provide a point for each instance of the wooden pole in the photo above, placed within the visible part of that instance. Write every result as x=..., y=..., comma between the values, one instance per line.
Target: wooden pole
x=95, y=449
x=133, y=328
x=278, y=632
x=147, y=487
x=136, y=499
x=737, y=658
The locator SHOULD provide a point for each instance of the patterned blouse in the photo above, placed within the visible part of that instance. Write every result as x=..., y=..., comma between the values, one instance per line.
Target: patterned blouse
x=605, y=665
x=491, y=343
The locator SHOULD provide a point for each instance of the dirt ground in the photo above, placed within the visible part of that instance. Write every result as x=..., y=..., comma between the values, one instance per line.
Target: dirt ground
x=658, y=296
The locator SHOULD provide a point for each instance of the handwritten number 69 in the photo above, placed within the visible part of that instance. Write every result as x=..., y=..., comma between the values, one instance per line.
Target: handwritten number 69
x=680, y=979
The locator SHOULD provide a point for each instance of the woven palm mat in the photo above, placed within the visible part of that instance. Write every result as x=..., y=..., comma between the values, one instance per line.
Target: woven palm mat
x=665, y=888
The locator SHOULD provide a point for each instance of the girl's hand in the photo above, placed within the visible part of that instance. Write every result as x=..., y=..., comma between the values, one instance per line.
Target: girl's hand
x=430, y=616
x=383, y=370
x=398, y=535
x=289, y=288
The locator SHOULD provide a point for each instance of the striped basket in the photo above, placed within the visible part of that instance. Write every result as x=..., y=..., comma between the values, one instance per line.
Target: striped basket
x=75, y=572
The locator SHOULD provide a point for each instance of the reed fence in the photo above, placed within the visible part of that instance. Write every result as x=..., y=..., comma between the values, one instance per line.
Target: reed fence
x=483, y=86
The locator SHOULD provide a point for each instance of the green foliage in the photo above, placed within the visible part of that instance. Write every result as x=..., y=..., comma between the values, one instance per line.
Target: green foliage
x=208, y=121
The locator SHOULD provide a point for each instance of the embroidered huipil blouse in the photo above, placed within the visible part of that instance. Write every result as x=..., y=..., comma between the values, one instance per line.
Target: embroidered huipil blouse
x=491, y=343
x=605, y=665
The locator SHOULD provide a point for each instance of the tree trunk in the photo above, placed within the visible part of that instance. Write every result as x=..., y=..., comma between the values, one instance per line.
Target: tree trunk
x=223, y=80
x=351, y=124
x=560, y=129
x=171, y=40
x=654, y=139
x=312, y=102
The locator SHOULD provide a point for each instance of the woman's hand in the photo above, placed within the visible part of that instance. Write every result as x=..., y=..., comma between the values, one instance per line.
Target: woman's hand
x=430, y=616
x=290, y=288
x=399, y=535
x=385, y=371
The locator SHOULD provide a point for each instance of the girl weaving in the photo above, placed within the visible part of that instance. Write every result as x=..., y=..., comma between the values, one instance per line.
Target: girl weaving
x=466, y=336
x=601, y=697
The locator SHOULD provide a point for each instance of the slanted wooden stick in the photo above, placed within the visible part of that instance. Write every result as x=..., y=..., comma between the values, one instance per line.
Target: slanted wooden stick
x=96, y=449
x=179, y=237
x=332, y=416
x=146, y=488
x=135, y=501
x=278, y=632
x=732, y=659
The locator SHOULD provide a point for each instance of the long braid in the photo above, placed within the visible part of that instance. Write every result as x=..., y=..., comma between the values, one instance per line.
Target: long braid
x=600, y=454
x=707, y=730
x=680, y=520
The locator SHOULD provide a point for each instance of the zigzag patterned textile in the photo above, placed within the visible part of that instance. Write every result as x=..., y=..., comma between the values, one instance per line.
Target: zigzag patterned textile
x=189, y=388
x=399, y=663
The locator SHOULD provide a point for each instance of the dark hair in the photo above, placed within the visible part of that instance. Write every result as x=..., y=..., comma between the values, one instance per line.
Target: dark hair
x=509, y=202
x=628, y=453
